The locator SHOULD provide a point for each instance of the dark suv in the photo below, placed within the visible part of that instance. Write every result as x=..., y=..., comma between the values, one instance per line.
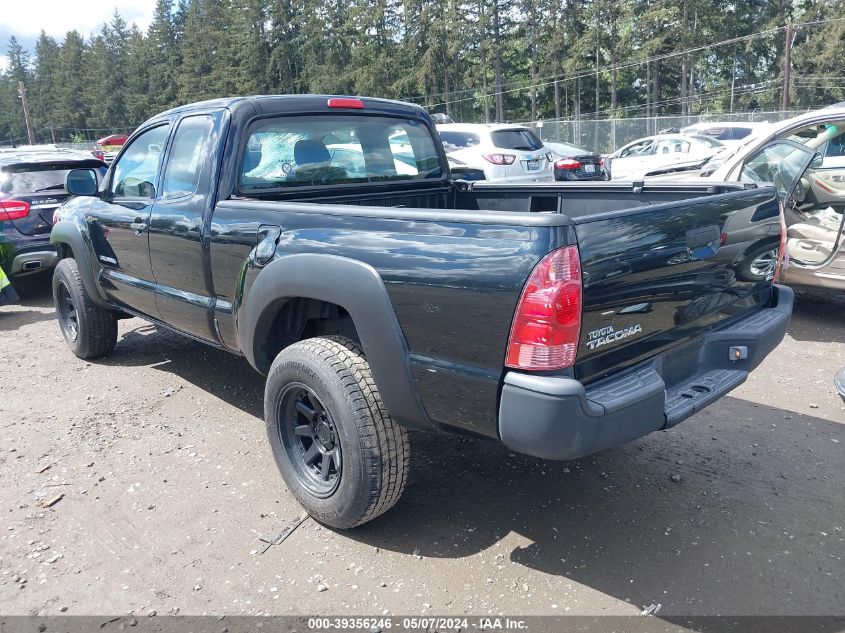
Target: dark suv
x=32, y=185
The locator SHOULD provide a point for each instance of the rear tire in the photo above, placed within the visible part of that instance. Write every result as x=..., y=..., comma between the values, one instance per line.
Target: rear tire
x=89, y=330
x=338, y=450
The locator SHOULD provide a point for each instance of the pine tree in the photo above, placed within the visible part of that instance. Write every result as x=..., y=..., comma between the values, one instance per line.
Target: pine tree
x=45, y=85
x=285, y=54
x=142, y=100
x=158, y=58
x=69, y=108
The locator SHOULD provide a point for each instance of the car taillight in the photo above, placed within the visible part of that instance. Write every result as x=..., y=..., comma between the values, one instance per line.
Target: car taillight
x=13, y=209
x=601, y=161
x=99, y=154
x=547, y=323
x=567, y=163
x=783, y=256
x=499, y=159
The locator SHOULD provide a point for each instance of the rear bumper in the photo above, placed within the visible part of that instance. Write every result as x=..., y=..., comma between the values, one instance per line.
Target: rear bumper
x=559, y=418
x=510, y=175
x=567, y=175
x=32, y=261
x=25, y=254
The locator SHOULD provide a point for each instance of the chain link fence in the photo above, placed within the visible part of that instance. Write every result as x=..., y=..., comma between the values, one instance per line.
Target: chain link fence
x=606, y=135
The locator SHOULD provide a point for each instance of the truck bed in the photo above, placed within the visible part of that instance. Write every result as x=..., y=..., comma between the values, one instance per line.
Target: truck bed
x=454, y=260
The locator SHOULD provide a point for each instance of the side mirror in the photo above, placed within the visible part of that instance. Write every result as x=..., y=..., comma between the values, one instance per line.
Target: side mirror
x=81, y=182
x=816, y=163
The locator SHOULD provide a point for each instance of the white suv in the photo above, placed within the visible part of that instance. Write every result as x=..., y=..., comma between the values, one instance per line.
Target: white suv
x=505, y=153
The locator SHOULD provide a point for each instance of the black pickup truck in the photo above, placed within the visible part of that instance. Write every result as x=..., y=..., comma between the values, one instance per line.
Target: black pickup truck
x=324, y=240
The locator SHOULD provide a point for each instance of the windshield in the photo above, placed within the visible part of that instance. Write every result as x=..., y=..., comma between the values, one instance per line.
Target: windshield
x=518, y=139
x=336, y=150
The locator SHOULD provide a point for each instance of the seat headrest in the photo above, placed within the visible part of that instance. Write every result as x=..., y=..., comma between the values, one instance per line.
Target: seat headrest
x=310, y=152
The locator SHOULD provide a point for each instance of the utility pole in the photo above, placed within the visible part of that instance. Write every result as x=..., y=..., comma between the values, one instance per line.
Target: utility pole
x=787, y=65
x=22, y=92
x=733, y=81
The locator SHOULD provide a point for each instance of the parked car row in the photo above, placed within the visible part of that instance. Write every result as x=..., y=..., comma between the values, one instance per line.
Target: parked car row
x=312, y=244
x=514, y=153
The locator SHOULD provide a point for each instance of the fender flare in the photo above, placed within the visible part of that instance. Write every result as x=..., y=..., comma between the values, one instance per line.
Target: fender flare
x=357, y=288
x=68, y=233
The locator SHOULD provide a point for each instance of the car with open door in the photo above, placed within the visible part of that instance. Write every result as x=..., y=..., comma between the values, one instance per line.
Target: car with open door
x=813, y=201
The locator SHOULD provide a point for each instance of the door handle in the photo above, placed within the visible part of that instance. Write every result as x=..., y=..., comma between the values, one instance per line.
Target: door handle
x=138, y=227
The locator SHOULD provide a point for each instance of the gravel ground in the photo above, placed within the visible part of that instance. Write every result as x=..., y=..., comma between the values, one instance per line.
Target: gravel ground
x=157, y=478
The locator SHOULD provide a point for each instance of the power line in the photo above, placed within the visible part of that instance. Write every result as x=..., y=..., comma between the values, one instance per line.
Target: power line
x=552, y=79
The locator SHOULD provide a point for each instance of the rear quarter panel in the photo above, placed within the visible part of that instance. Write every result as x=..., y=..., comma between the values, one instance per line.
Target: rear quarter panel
x=454, y=286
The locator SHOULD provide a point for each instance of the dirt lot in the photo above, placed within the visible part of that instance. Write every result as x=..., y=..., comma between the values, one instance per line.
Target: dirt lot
x=160, y=454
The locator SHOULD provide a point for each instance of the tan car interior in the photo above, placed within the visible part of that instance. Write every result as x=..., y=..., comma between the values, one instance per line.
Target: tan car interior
x=814, y=239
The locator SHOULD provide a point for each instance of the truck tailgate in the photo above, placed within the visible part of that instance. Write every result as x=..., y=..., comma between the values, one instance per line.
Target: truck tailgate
x=655, y=276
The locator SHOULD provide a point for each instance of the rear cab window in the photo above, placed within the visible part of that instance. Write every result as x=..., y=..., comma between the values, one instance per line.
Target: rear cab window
x=517, y=139
x=320, y=150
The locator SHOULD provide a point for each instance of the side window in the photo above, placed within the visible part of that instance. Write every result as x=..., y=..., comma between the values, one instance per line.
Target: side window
x=185, y=162
x=836, y=146
x=458, y=140
x=135, y=173
x=642, y=148
x=672, y=146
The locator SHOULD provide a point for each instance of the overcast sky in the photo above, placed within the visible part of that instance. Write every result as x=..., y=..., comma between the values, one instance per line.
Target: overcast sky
x=25, y=18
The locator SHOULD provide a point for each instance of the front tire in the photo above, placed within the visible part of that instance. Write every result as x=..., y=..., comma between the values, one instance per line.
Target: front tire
x=338, y=450
x=89, y=330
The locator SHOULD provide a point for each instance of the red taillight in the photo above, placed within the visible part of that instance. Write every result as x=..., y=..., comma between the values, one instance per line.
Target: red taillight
x=783, y=256
x=567, y=163
x=499, y=159
x=13, y=209
x=601, y=161
x=547, y=323
x=346, y=102
x=99, y=154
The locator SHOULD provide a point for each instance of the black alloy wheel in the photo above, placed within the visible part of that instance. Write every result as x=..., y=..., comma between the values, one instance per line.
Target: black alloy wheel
x=310, y=439
x=68, y=317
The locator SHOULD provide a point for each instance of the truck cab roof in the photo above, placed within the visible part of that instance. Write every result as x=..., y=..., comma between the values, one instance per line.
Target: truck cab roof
x=248, y=107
